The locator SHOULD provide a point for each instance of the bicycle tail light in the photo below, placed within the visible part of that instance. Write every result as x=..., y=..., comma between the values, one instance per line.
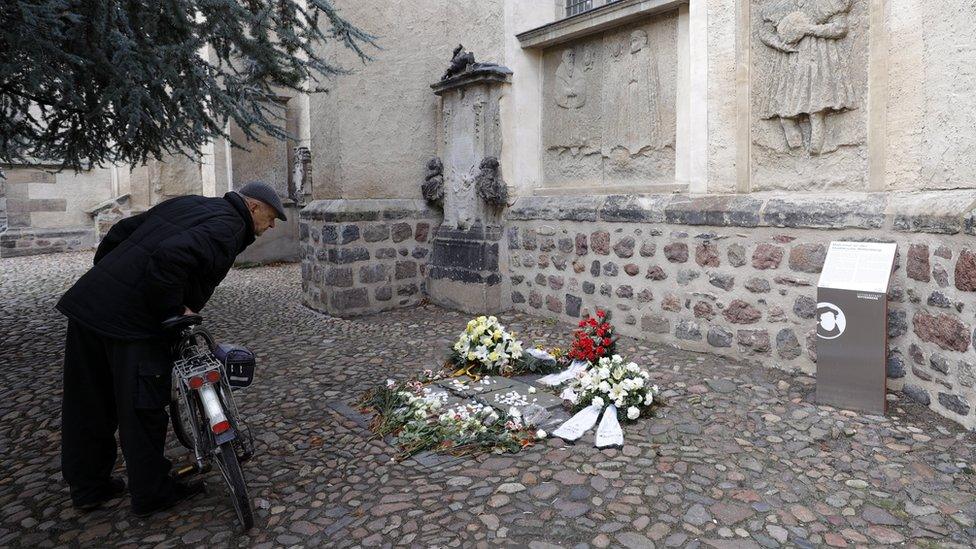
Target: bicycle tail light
x=195, y=382
x=213, y=410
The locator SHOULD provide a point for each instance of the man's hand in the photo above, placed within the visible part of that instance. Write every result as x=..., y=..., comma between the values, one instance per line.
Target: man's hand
x=187, y=311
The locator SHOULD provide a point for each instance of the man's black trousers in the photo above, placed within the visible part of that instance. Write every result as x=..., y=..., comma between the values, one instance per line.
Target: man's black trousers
x=110, y=385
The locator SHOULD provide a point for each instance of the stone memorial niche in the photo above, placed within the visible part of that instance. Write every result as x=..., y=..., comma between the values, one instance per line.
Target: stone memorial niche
x=809, y=94
x=609, y=108
x=463, y=271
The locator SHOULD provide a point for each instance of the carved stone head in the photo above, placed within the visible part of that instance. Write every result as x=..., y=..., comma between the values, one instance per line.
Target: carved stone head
x=638, y=39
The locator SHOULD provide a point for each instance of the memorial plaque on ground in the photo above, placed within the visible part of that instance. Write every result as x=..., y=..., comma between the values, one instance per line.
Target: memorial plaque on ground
x=519, y=396
x=465, y=386
x=852, y=313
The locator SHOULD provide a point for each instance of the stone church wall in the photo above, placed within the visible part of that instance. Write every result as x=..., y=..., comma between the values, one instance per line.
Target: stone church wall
x=875, y=141
x=46, y=212
x=737, y=275
x=931, y=100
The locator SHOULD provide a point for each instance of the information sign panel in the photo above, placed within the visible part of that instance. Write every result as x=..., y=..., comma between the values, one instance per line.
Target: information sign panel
x=852, y=314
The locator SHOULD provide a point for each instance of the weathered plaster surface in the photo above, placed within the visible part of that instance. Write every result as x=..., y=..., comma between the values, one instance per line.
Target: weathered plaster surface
x=721, y=147
x=375, y=129
x=931, y=112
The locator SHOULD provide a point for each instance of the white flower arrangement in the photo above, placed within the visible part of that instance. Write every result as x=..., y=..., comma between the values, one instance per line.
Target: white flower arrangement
x=612, y=381
x=422, y=419
x=424, y=414
x=487, y=344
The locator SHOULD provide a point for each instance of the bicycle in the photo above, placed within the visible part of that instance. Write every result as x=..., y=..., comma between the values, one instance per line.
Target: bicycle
x=202, y=408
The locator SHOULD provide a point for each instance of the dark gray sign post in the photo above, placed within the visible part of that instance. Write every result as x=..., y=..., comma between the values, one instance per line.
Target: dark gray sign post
x=852, y=314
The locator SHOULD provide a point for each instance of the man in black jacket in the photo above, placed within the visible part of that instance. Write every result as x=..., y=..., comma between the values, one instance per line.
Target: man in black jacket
x=155, y=265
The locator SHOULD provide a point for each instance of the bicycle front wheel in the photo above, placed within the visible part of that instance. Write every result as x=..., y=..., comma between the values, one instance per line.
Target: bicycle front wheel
x=230, y=468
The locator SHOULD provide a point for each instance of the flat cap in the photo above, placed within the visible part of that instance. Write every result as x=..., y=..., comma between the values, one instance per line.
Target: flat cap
x=259, y=190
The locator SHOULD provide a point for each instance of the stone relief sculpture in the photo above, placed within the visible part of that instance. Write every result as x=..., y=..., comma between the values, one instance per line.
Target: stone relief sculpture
x=460, y=61
x=301, y=174
x=463, y=196
x=463, y=61
x=569, y=94
x=489, y=183
x=609, y=109
x=433, y=186
x=810, y=75
x=570, y=82
x=632, y=118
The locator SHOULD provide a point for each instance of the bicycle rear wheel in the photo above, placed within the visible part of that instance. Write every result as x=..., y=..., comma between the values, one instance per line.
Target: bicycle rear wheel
x=230, y=468
x=180, y=418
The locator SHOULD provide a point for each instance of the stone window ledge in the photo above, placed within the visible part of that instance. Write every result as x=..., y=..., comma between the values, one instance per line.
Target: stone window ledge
x=368, y=209
x=593, y=21
x=937, y=212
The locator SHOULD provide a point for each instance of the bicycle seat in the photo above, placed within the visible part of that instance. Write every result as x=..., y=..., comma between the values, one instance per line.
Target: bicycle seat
x=181, y=322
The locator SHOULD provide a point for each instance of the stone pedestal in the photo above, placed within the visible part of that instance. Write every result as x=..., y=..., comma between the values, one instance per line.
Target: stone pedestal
x=364, y=256
x=463, y=271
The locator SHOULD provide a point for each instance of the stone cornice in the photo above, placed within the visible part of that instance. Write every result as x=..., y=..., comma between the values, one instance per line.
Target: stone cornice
x=486, y=74
x=937, y=212
x=368, y=210
x=593, y=21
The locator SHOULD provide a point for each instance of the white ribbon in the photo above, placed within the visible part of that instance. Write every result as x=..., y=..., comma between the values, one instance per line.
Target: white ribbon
x=583, y=421
x=565, y=375
x=609, y=432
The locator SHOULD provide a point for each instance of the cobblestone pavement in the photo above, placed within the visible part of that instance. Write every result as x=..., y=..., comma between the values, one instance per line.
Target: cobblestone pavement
x=740, y=457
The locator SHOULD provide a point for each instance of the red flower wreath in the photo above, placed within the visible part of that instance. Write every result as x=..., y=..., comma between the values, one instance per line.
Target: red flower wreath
x=594, y=339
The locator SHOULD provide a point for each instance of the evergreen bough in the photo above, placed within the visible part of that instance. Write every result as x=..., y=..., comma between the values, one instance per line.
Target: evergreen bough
x=92, y=82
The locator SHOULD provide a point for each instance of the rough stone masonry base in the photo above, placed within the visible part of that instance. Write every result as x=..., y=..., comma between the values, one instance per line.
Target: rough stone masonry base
x=737, y=275
x=363, y=256
x=16, y=242
x=733, y=275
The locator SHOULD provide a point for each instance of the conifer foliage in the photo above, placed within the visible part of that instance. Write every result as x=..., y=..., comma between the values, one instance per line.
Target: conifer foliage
x=91, y=82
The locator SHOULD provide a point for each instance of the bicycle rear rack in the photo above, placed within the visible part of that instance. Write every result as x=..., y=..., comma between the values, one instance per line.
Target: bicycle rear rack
x=197, y=365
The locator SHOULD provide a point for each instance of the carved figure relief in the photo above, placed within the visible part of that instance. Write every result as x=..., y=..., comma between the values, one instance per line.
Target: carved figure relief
x=810, y=77
x=301, y=175
x=632, y=118
x=569, y=94
x=463, y=189
x=609, y=110
x=432, y=188
x=490, y=186
x=570, y=82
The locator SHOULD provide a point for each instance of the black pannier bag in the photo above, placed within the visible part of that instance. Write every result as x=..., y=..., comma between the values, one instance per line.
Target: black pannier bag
x=238, y=363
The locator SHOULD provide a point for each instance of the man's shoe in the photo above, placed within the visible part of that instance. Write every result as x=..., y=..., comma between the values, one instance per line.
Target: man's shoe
x=181, y=492
x=114, y=489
